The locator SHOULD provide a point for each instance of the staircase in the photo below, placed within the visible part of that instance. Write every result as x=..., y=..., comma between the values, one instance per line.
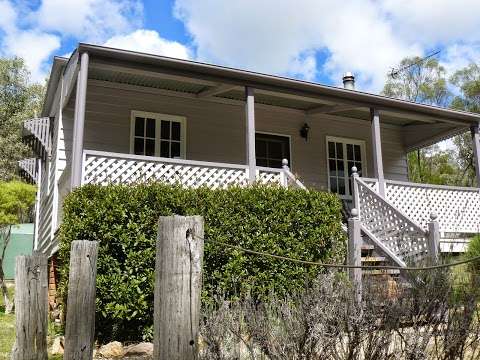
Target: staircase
x=389, y=236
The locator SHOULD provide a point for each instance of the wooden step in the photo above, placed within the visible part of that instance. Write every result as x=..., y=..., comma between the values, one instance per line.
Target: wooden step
x=368, y=247
x=382, y=272
x=373, y=259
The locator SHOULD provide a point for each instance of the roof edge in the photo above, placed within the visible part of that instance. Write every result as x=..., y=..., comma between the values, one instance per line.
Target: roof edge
x=250, y=78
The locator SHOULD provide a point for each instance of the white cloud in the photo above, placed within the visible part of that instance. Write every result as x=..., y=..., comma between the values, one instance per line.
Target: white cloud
x=149, y=41
x=33, y=46
x=368, y=37
x=89, y=20
x=34, y=34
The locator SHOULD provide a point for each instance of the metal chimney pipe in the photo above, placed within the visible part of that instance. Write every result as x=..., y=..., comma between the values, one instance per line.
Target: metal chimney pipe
x=348, y=81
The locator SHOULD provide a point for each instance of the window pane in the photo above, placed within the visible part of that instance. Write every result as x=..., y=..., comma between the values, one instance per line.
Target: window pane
x=340, y=168
x=175, y=130
x=331, y=149
x=332, y=167
x=341, y=186
x=358, y=153
x=165, y=149
x=275, y=163
x=149, y=147
x=333, y=184
x=275, y=150
x=138, y=146
x=350, y=152
x=339, y=150
x=175, y=149
x=139, y=126
x=359, y=168
x=150, y=128
x=261, y=148
x=165, y=130
x=262, y=162
x=350, y=165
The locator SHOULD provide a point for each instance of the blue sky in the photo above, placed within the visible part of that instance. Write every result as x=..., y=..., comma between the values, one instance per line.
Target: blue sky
x=316, y=40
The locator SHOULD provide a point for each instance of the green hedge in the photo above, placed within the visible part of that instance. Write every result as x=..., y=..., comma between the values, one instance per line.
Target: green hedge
x=287, y=222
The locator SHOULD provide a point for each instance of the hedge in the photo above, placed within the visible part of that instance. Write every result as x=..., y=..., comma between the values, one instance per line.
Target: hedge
x=288, y=222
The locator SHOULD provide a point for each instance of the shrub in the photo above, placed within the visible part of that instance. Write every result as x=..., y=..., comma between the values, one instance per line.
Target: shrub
x=473, y=250
x=287, y=222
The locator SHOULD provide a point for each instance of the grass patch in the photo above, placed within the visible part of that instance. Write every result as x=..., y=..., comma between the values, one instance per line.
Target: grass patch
x=7, y=334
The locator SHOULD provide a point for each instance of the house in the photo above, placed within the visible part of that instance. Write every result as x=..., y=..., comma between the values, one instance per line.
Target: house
x=120, y=116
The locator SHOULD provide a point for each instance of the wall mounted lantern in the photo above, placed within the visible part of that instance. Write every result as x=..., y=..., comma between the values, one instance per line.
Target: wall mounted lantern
x=304, y=131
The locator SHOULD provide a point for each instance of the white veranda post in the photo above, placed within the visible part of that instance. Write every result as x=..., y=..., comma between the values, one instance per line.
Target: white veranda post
x=476, y=150
x=250, y=120
x=377, y=150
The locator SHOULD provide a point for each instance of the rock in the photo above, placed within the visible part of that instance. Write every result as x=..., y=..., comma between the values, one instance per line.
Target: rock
x=142, y=349
x=111, y=350
x=57, y=346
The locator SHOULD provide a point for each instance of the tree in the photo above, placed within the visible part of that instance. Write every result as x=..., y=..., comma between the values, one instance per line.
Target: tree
x=422, y=81
x=19, y=100
x=16, y=201
x=433, y=166
x=467, y=80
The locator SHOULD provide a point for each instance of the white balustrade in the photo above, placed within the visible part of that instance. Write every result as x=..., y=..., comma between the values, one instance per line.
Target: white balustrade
x=30, y=167
x=457, y=208
x=115, y=168
x=40, y=129
x=397, y=234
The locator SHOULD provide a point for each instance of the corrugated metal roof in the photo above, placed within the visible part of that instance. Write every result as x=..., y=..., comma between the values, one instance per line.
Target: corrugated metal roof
x=142, y=80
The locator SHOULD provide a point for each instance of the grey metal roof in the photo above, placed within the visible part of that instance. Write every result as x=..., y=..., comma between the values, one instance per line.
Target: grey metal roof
x=239, y=77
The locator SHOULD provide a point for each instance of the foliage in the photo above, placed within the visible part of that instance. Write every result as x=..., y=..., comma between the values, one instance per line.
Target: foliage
x=433, y=166
x=287, y=222
x=428, y=319
x=19, y=100
x=473, y=250
x=16, y=200
x=420, y=81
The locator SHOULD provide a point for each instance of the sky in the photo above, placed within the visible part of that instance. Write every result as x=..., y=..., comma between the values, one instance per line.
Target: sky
x=314, y=40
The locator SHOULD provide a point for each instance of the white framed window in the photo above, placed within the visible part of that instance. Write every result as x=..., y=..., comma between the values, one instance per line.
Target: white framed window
x=154, y=134
x=271, y=149
x=342, y=155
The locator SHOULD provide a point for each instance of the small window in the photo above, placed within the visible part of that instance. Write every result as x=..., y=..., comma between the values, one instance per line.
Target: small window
x=157, y=135
x=342, y=155
x=271, y=150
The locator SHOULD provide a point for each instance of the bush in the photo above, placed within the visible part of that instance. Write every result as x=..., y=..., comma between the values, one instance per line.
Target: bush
x=286, y=222
x=473, y=250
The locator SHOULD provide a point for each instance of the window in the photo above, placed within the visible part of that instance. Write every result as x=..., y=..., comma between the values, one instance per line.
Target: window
x=342, y=155
x=271, y=150
x=157, y=135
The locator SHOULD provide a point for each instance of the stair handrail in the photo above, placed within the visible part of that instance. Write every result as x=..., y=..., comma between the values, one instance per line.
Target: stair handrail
x=290, y=177
x=409, y=224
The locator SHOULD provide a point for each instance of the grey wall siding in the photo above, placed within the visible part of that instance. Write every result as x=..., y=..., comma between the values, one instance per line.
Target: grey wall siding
x=216, y=132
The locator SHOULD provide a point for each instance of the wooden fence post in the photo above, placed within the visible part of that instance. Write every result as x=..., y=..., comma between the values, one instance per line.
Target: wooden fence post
x=355, y=253
x=80, y=322
x=31, y=307
x=178, y=285
x=433, y=238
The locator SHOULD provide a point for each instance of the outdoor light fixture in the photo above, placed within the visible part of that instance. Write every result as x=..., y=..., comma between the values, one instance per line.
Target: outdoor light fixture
x=304, y=131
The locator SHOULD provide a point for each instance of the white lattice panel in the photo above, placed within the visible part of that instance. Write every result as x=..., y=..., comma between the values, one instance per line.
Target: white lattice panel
x=269, y=177
x=458, y=209
x=30, y=167
x=105, y=168
x=391, y=227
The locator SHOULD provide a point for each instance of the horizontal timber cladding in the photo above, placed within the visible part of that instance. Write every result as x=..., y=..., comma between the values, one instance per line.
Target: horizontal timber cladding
x=216, y=131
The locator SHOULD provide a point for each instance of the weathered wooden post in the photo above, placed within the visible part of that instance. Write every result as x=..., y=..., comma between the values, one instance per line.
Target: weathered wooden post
x=433, y=238
x=80, y=322
x=355, y=253
x=178, y=285
x=31, y=307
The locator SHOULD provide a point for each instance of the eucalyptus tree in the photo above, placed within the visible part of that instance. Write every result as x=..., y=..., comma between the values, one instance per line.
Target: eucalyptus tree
x=19, y=99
